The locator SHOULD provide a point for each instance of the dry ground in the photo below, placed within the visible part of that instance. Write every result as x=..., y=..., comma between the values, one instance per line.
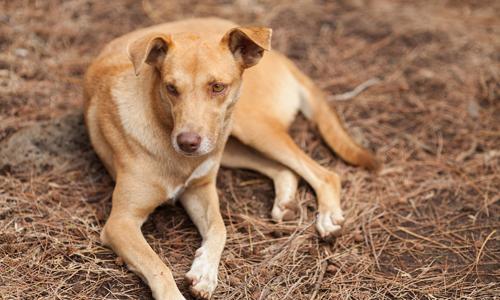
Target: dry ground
x=426, y=227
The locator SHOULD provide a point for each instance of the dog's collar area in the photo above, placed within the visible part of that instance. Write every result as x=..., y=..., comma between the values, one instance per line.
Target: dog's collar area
x=175, y=194
x=200, y=171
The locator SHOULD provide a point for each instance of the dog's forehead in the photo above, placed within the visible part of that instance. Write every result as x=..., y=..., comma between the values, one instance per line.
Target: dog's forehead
x=195, y=58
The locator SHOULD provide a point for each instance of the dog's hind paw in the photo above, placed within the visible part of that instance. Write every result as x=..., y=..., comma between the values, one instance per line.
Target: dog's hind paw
x=202, y=276
x=285, y=206
x=329, y=224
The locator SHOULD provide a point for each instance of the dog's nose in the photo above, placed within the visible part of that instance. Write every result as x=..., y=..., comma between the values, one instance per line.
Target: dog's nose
x=189, y=142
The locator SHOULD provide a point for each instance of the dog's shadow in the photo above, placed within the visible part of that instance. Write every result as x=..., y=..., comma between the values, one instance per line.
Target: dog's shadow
x=59, y=145
x=59, y=152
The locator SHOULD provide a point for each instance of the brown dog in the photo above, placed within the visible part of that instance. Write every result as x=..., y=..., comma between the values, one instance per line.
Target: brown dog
x=160, y=105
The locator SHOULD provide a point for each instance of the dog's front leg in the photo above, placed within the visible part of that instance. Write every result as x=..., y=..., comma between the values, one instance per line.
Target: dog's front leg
x=133, y=201
x=202, y=205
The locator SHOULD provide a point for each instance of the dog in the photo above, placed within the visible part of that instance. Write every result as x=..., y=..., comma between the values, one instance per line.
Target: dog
x=165, y=106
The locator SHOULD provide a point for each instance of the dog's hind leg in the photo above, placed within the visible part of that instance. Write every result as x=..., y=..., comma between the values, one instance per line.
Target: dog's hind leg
x=237, y=155
x=278, y=145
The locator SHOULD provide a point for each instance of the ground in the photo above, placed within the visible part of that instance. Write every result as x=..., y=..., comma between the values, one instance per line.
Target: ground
x=425, y=227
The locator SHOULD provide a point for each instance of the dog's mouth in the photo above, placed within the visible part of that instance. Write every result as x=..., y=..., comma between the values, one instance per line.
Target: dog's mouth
x=189, y=154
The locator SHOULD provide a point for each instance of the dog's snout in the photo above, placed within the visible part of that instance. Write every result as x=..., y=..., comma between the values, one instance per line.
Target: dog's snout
x=189, y=142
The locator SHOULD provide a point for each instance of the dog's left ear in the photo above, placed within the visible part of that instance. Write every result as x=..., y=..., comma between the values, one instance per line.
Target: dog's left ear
x=248, y=44
x=150, y=49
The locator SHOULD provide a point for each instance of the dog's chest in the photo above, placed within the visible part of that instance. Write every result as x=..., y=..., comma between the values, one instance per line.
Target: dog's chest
x=175, y=190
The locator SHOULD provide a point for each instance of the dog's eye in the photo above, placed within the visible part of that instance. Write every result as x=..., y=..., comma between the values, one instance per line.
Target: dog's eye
x=218, y=87
x=171, y=89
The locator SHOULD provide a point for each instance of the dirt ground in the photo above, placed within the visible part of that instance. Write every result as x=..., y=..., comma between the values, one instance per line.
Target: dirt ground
x=426, y=227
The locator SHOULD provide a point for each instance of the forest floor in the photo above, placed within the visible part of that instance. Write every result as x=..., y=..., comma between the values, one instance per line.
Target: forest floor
x=425, y=227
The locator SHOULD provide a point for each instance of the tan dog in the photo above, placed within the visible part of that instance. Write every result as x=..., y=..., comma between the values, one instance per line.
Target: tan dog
x=159, y=106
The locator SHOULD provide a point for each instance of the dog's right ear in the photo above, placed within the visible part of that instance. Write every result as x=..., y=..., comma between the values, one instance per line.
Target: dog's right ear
x=150, y=49
x=247, y=44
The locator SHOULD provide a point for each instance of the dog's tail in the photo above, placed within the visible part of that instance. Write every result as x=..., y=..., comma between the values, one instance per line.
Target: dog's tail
x=315, y=107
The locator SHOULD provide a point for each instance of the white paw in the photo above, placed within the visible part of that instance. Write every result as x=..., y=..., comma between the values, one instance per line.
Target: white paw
x=203, y=275
x=285, y=206
x=329, y=224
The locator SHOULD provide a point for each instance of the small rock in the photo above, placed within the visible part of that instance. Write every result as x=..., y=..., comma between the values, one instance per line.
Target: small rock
x=21, y=52
x=473, y=109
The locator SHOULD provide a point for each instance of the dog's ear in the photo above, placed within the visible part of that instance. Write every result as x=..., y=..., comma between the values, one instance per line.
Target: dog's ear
x=150, y=49
x=248, y=44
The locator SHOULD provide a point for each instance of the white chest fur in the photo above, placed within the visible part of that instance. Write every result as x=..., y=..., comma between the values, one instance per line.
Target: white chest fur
x=202, y=170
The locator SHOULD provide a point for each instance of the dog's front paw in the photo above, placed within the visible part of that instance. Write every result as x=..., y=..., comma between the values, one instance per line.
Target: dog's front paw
x=329, y=224
x=202, y=276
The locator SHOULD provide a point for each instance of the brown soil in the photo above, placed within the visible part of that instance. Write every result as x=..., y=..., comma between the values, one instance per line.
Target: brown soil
x=426, y=227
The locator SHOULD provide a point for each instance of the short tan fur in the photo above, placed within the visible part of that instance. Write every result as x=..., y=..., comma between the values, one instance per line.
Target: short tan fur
x=160, y=105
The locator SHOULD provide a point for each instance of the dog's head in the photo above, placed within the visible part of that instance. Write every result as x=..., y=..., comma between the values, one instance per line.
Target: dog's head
x=200, y=79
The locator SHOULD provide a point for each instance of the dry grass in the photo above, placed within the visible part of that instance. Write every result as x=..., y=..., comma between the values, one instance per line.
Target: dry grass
x=425, y=228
